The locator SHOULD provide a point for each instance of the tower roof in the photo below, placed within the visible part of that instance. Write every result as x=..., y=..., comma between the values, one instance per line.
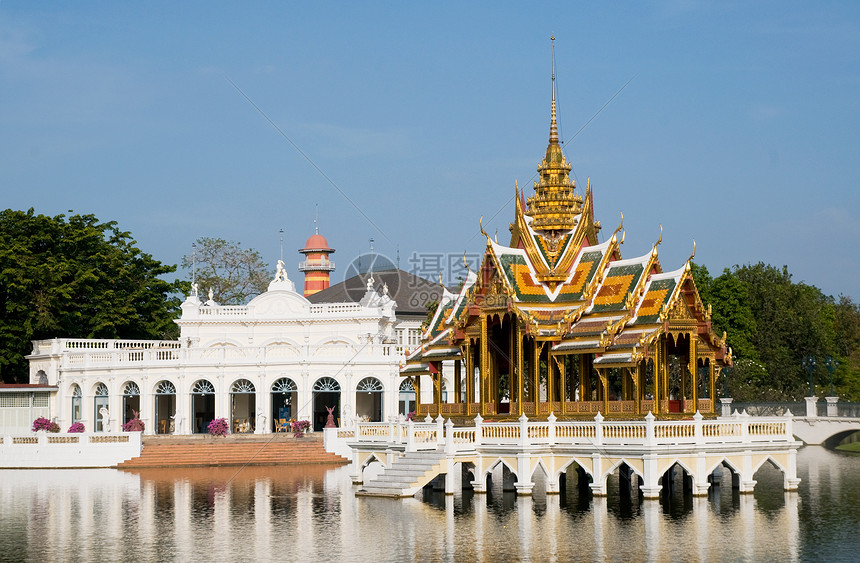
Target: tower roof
x=316, y=242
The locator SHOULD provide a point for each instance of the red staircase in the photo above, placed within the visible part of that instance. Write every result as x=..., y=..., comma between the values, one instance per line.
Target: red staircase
x=234, y=450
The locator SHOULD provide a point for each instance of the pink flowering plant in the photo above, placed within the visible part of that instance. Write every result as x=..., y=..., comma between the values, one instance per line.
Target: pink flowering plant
x=43, y=423
x=219, y=427
x=300, y=427
x=135, y=424
x=76, y=428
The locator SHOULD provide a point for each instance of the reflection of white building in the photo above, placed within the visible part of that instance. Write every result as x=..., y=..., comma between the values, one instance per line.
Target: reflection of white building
x=279, y=357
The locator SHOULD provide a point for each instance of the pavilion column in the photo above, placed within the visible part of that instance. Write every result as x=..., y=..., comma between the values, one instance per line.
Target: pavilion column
x=694, y=375
x=563, y=383
x=601, y=374
x=536, y=375
x=470, y=374
x=416, y=385
x=655, y=374
x=635, y=375
x=519, y=343
x=550, y=376
x=582, y=379
x=485, y=366
x=457, y=376
x=712, y=384
x=512, y=362
x=439, y=381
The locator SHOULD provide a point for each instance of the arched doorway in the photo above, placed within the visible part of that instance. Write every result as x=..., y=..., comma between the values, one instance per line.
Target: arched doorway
x=165, y=406
x=202, y=405
x=243, y=406
x=326, y=394
x=368, y=399
x=77, y=404
x=130, y=401
x=406, y=398
x=284, y=396
x=100, y=402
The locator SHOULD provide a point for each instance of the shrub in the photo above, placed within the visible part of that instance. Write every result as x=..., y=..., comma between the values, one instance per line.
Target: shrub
x=411, y=415
x=219, y=427
x=135, y=424
x=76, y=428
x=300, y=427
x=43, y=423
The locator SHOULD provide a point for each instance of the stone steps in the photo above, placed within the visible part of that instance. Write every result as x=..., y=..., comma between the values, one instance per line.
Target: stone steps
x=406, y=476
x=182, y=452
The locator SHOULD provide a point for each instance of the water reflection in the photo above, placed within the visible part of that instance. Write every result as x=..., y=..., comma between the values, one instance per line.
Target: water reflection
x=310, y=513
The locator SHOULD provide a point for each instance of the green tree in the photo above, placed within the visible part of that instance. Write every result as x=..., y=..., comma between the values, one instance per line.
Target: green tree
x=76, y=277
x=234, y=274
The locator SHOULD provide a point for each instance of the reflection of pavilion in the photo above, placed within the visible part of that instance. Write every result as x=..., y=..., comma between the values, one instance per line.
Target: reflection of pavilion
x=557, y=322
x=309, y=513
x=278, y=358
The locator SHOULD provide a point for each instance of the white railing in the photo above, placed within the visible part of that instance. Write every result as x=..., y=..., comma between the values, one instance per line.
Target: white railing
x=118, y=358
x=739, y=429
x=60, y=345
x=330, y=308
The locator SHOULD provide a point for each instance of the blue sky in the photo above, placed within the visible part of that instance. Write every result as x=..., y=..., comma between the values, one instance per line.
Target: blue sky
x=740, y=128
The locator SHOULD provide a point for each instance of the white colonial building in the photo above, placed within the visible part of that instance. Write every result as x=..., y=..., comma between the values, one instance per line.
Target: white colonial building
x=280, y=357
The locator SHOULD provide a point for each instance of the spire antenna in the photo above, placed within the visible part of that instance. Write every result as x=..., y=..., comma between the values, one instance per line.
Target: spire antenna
x=316, y=219
x=282, y=244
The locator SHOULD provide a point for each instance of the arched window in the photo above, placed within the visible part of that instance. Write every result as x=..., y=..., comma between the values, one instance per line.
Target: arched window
x=326, y=384
x=202, y=387
x=101, y=413
x=284, y=385
x=370, y=385
x=242, y=386
x=131, y=389
x=165, y=388
x=406, y=385
x=77, y=403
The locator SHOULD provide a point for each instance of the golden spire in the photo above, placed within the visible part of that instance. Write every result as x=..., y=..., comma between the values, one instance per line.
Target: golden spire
x=554, y=207
x=553, y=126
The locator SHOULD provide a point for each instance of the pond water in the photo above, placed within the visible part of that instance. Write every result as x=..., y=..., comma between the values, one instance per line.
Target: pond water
x=309, y=513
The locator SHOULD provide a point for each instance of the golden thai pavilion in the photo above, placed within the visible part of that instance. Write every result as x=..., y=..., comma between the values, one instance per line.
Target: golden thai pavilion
x=557, y=322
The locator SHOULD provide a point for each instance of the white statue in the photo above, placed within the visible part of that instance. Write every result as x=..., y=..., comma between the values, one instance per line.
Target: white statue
x=281, y=274
x=211, y=295
x=194, y=289
x=175, y=422
x=261, y=419
x=370, y=283
x=105, y=414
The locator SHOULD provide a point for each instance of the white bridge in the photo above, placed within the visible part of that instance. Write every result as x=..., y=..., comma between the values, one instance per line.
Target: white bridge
x=648, y=452
x=827, y=426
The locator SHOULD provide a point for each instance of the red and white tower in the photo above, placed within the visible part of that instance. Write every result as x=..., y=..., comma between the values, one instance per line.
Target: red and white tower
x=316, y=264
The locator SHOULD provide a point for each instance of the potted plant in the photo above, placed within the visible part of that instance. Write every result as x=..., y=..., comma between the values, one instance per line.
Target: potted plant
x=219, y=427
x=76, y=428
x=43, y=423
x=300, y=427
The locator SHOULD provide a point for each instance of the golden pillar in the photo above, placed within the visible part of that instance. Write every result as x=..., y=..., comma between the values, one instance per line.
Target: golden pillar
x=694, y=373
x=562, y=369
x=416, y=385
x=536, y=375
x=485, y=366
x=470, y=373
x=601, y=374
x=458, y=367
x=519, y=343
